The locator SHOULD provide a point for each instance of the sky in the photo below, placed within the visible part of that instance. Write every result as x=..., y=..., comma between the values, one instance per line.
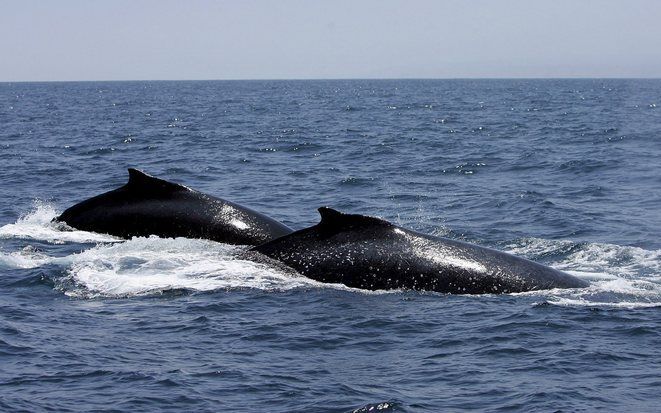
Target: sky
x=307, y=39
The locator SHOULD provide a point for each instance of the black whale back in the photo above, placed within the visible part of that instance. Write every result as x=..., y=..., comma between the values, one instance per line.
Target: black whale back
x=371, y=253
x=141, y=183
x=147, y=205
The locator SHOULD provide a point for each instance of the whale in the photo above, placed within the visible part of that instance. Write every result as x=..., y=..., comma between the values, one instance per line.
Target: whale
x=147, y=205
x=371, y=253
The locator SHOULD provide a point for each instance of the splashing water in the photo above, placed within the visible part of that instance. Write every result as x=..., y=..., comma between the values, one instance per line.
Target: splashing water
x=141, y=265
x=619, y=276
x=147, y=265
x=38, y=224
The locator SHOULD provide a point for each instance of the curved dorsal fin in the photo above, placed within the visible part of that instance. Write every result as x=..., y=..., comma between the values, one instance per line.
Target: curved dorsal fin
x=336, y=219
x=141, y=181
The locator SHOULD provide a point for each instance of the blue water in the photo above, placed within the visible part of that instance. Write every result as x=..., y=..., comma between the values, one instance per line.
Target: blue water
x=565, y=172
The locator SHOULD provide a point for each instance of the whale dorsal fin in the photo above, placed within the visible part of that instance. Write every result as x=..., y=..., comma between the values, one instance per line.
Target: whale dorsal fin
x=331, y=218
x=141, y=181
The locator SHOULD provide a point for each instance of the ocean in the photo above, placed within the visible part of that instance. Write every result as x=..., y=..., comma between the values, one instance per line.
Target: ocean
x=563, y=172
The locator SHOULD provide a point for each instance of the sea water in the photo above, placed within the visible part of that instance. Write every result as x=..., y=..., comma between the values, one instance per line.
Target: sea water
x=563, y=172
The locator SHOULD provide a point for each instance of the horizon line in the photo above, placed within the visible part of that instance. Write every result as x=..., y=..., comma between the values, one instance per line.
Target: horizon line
x=340, y=79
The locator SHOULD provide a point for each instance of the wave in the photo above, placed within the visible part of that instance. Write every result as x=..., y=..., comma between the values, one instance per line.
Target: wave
x=139, y=266
x=151, y=265
x=28, y=257
x=38, y=225
x=620, y=276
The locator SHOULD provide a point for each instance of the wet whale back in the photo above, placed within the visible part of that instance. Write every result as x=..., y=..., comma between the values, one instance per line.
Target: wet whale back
x=146, y=205
x=370, y=253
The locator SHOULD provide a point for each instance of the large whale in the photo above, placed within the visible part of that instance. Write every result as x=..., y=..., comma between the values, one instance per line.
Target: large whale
x=370, y=253
x=151, y=206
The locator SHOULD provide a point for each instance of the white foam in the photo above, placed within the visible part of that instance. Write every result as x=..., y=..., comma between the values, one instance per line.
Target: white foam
x=535, y=246
x=619, y=276
x=581, y=302
x=620, y=260
x=38, y=225
x=595, y=258
x=147, y=265
x=28, y=257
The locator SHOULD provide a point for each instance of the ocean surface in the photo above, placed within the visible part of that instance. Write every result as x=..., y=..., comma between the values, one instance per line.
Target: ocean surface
x=564, y=172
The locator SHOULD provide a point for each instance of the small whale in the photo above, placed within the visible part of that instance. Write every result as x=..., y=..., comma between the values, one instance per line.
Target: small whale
x=373, y=254
x=151, y=206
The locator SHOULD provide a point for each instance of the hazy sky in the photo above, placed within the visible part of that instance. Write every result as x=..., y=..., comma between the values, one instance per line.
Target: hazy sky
x=252, y=39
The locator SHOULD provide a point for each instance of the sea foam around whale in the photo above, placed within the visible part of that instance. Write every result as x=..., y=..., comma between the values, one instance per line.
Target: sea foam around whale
x=620, y=276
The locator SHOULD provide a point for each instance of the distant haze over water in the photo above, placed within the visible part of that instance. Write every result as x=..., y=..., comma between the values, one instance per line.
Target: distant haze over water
x=297, y=39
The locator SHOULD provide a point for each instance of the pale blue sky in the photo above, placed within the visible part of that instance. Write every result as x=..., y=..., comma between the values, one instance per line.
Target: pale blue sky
x=297, y=39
